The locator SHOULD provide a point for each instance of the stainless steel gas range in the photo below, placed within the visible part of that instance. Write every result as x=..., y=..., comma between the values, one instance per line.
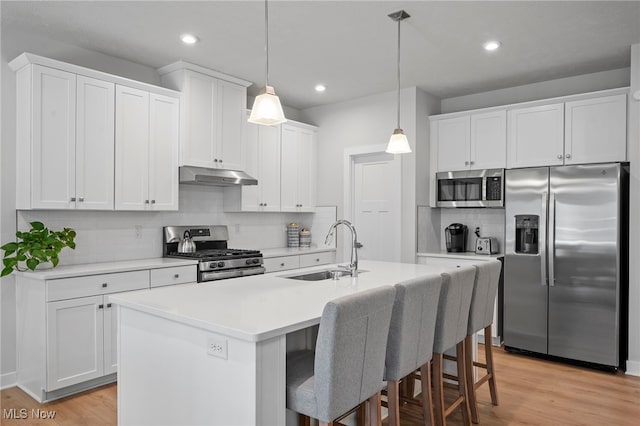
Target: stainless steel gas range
x=215, y=260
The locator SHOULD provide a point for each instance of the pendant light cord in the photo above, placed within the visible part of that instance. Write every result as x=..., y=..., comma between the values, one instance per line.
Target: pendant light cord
x=266, y=41
x=398, y=120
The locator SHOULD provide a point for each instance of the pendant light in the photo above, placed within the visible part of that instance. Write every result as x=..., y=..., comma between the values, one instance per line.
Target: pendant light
x=398, y=144
x=266, y=107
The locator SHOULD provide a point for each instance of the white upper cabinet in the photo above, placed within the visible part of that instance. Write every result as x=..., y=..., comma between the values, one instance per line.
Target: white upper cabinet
x=94, y=144
x=471, y=141
x=596, y=130
x=451, y=137
x=298, y=172
x=590, y=129
x=66, y=139
x=261, y=161
x=536, y=136
x=488, y=140
x=212, y=115
x=146, y=154
x=282, y=158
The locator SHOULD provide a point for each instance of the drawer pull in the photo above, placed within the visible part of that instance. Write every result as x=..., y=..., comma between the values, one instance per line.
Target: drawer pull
x=100, y=306
x=282, y=264
x=176, y=276
x=317, y=260
x=108, y=305
x=104, y=285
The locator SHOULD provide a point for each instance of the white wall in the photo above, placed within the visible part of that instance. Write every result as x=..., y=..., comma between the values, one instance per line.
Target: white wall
x=633, y=365
x=370, y=121
x=106, y=236
x=546, y=89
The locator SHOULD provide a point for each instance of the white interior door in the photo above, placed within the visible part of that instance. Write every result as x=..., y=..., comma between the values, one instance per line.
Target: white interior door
x=376, y=206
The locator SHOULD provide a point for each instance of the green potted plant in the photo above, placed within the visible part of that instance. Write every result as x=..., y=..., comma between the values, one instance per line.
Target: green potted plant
x=34, y=247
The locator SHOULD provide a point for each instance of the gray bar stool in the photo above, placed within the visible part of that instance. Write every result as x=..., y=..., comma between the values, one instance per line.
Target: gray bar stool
x=451, y=331
x=410, y=343
x=348, y=364
x=481, y=318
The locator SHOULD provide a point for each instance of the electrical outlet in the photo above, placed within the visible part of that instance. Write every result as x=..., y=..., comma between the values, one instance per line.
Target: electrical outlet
x=217, y=346
x=138, y=231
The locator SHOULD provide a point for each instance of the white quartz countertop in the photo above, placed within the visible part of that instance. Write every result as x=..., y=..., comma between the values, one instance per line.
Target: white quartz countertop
x=260, y=307
x=293, y=251
x=67, y=271
x=463, y=255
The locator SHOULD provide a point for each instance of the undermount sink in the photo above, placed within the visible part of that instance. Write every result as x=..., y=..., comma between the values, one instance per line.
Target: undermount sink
x=322, y=275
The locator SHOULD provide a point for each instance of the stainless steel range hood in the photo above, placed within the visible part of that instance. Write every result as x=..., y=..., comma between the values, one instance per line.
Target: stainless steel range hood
x=214, y=177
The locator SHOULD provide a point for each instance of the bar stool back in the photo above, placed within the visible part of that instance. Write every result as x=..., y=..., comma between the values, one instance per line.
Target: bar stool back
x=349, y=358
x=451, y=331
x=481, y=318
x=410, y=343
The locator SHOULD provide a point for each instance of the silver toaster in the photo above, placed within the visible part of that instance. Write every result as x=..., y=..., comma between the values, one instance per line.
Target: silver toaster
x=486, y=245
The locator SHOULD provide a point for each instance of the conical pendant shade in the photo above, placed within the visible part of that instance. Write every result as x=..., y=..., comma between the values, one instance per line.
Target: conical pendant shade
x=398, y=144
x=267, y=109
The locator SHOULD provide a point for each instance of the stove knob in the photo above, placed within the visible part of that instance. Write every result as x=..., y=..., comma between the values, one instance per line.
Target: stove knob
x=220, y=264
x=213, y=265
x=249, y=262
x=256, y=261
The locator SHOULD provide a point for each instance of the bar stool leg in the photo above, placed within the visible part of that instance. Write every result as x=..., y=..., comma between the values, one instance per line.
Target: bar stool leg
x=462, y=384
x=488, y=351
x=375, y=410
x=393, y=391
x=427, y=395
x=438, y=389
x=471, y=388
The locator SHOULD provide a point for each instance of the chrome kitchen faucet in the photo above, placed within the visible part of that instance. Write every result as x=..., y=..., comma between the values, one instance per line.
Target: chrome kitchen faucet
x=353, y=266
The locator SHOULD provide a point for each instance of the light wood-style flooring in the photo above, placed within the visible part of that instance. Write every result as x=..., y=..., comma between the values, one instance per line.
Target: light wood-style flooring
x=531, y=392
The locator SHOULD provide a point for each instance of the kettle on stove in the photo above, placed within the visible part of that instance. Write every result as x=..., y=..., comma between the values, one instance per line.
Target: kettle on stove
x=186, y=245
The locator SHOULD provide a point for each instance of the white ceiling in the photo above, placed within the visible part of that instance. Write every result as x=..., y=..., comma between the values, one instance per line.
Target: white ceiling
x=351, y=45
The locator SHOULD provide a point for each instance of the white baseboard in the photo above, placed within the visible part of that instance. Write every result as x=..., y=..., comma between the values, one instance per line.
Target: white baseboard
x=8, y=380
x=633, y=368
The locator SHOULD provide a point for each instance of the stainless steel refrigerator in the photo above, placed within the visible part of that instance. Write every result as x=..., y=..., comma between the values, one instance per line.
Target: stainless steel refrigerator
x=566, y=279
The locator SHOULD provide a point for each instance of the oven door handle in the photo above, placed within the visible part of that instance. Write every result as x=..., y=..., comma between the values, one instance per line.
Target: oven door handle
x=232, y=273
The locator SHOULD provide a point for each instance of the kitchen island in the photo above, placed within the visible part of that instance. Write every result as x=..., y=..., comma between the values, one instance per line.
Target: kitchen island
x=214, y=353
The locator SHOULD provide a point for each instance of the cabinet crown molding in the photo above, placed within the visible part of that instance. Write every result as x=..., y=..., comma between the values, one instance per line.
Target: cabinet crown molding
x=182, y=65
x=26, y=58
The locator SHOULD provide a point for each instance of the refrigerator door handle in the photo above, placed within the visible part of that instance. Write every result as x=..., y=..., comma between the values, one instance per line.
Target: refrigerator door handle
x=542, y=240
x=552, y=237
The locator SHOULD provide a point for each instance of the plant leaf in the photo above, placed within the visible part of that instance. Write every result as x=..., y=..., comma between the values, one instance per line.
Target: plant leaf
x=9, y=262
x=55, y=260
x=6, y=271
x=37, y=225
x=10, y=247
x=32, y=263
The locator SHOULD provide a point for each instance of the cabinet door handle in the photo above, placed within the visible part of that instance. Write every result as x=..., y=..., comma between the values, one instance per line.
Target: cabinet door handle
x=176, y=276
x=100, y=306
x=153, y=201
x=108, y=305
x=559, y=156
x=568, y=156
x=146, y=201
x=215, y=160
x=104, y=285
x=220, y=160
x=81, y=199
x=466, y=163
x=472, y=162
x=265, y=204
x=73, y=198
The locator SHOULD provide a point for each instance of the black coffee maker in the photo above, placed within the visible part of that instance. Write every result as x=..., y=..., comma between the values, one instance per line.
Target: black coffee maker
x=456, y=237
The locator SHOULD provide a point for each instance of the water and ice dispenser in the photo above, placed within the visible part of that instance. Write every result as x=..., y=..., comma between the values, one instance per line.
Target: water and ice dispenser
x=527, y=227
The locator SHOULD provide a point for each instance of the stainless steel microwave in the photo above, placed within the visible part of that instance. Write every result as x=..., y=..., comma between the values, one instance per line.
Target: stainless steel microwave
x=472, y=188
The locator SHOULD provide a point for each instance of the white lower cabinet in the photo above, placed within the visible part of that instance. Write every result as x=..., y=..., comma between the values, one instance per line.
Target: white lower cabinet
x=284, y=263
x=67, y=340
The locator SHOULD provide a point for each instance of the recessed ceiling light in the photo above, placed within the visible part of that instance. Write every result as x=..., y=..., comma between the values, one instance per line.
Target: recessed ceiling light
x=320, y=88
x=189, y=39
x=491, y=45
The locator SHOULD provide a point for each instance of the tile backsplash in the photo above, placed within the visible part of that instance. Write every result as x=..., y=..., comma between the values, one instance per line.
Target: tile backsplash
x=490, y=222
x=105, y=236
